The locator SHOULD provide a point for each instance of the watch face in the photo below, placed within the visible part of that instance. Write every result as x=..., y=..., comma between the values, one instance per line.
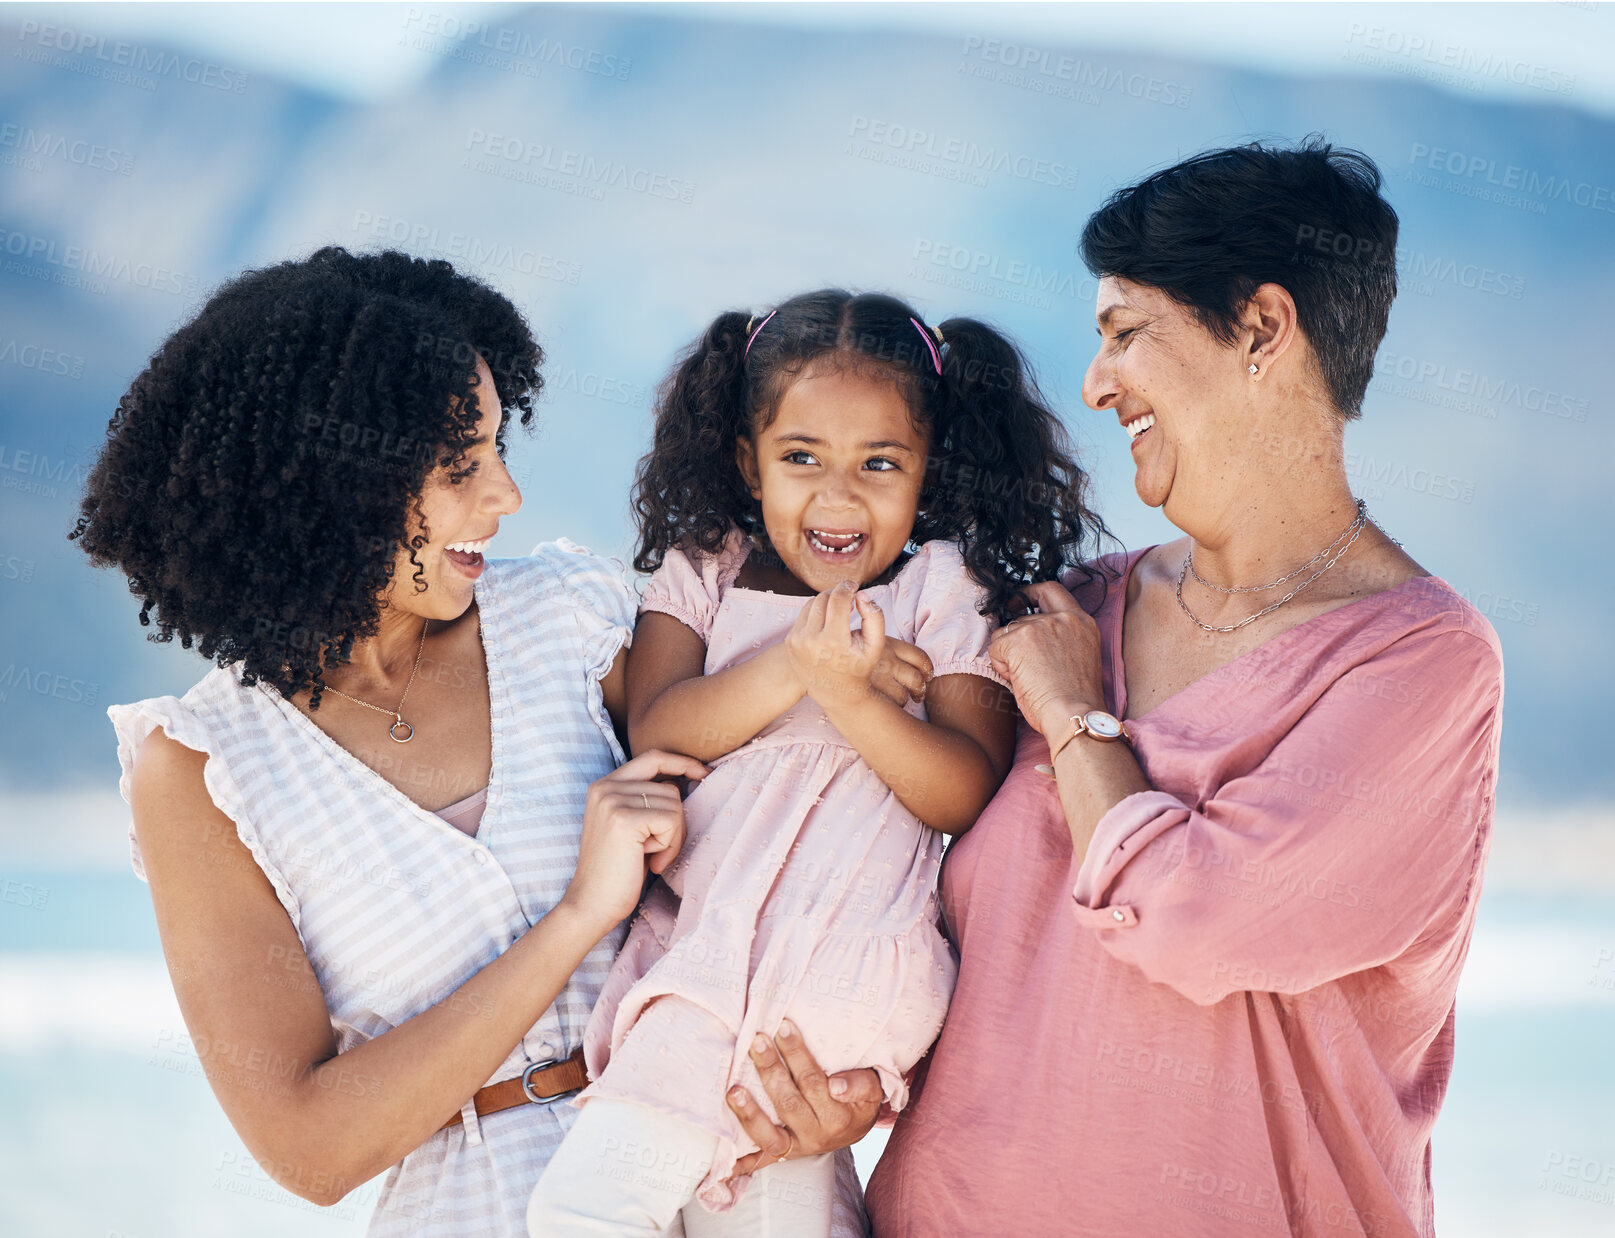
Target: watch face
x=1101, y=723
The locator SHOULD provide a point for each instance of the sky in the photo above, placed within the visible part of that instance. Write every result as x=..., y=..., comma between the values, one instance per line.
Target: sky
x=1512, y=51
x=754, y=152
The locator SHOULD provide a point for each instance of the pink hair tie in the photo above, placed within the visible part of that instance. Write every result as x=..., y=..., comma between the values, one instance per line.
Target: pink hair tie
x=753, y=336
x=925, y=335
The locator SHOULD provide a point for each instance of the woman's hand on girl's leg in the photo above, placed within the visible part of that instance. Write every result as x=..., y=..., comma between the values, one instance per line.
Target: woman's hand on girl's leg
x=813, y=1119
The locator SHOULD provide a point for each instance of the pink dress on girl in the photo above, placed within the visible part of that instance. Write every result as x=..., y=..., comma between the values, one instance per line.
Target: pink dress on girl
x=804, y=889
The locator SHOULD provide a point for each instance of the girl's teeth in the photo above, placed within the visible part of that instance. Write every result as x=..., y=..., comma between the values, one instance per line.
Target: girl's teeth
x=849, y=548
x=1135, y=428
x=470, y=548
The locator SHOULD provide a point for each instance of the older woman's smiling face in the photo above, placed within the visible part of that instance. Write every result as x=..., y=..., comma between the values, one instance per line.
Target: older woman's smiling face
x=1178, y=392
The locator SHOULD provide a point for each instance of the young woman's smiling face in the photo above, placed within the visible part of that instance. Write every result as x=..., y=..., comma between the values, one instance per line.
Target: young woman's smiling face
x=838, y=472
x=459, y=520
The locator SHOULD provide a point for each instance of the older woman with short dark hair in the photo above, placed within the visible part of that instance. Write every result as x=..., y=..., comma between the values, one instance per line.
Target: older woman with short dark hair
x=1211, y=927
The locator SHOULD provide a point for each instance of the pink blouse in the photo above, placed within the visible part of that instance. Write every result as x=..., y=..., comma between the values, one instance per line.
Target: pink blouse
x=1236, y=1014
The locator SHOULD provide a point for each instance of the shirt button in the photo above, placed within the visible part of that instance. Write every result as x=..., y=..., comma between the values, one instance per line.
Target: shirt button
x=482, y=858
x=1118, y=914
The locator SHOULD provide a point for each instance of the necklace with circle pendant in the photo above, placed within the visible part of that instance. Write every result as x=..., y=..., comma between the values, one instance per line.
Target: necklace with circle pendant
x=398, y=718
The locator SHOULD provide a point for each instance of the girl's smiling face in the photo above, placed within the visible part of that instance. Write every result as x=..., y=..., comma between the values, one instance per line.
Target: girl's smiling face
x=838, y=473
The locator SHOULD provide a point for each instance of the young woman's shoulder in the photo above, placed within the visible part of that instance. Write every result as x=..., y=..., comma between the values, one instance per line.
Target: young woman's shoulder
x=561, y=571
x=155, y=735
x=174, y=755
x=561, y=591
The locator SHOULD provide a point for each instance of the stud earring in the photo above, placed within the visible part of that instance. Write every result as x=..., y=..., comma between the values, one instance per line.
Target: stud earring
x=1253, y=367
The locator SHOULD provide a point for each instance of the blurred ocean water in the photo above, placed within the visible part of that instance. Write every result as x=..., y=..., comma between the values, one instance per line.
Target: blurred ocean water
x=113, y=1132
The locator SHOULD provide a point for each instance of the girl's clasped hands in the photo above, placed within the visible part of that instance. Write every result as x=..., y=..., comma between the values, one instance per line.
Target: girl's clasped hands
x=839, y=666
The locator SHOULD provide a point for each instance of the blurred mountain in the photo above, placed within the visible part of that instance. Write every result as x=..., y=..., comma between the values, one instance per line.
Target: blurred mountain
x=625, y=174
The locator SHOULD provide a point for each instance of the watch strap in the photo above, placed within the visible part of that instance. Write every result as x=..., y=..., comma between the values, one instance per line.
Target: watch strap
x=1078, y=726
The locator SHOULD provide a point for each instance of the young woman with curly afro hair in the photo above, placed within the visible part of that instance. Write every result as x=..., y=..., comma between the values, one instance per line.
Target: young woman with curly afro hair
x=389, y=849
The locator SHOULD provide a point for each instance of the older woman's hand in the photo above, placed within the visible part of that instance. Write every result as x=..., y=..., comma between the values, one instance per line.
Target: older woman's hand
x=814, y=1120
x=1051, y=658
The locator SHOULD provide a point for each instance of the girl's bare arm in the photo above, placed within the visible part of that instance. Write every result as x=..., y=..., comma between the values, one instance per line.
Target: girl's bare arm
x=672, y=705
x=943, y=771
x=946, y=770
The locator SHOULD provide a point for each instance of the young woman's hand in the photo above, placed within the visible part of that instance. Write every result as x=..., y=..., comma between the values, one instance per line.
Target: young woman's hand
x=831, y=661
x=633, y=824
x=902, y=672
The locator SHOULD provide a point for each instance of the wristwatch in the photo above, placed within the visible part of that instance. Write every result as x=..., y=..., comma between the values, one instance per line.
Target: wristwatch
x=1107, y=728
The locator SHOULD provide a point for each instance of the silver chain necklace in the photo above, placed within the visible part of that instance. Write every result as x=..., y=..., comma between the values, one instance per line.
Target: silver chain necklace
x=398, y=718
x=1353, y=531
x=1362, y=514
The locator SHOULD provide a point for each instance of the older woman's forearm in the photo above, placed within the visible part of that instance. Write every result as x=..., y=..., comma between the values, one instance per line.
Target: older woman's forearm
x=1093, y=775
x=1052, y=661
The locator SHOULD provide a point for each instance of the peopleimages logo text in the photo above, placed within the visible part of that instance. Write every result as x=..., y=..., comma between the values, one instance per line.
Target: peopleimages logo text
x=1465, y=60
x=31, y=142
x=78, y=258
x=96, y=49
x=1529, y=397
x=966, y=154
x=981, y=264
x=520, y=44
x=1085, y=74
x=1511, y=176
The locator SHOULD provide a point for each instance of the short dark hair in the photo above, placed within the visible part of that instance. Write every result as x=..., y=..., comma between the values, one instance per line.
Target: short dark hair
x=1210, y=230
x=261, y=474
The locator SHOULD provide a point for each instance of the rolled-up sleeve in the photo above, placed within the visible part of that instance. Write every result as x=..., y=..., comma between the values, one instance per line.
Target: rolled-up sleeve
x=1360, y=830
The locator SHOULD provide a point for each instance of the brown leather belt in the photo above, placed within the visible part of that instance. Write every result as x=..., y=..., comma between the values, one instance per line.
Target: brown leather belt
x=542, y=1083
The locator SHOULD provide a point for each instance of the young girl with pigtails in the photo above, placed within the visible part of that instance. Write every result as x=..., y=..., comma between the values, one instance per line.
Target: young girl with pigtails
x=831, y=486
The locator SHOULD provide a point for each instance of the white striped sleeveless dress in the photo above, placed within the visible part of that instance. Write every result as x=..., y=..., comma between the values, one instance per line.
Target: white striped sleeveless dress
x=395, y=907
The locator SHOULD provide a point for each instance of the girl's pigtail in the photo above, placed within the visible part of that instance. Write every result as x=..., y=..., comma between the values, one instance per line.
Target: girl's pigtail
x=1004, y=481
x=688, y=490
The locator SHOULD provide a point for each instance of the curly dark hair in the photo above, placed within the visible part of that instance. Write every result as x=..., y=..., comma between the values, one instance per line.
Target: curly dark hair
x=1000, y=481
x=261, y=474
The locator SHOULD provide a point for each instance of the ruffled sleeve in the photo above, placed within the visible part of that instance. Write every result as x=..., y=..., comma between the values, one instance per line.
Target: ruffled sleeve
x=133, y=723
x=598, y=595
x=688, y=587
x=936, y=592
